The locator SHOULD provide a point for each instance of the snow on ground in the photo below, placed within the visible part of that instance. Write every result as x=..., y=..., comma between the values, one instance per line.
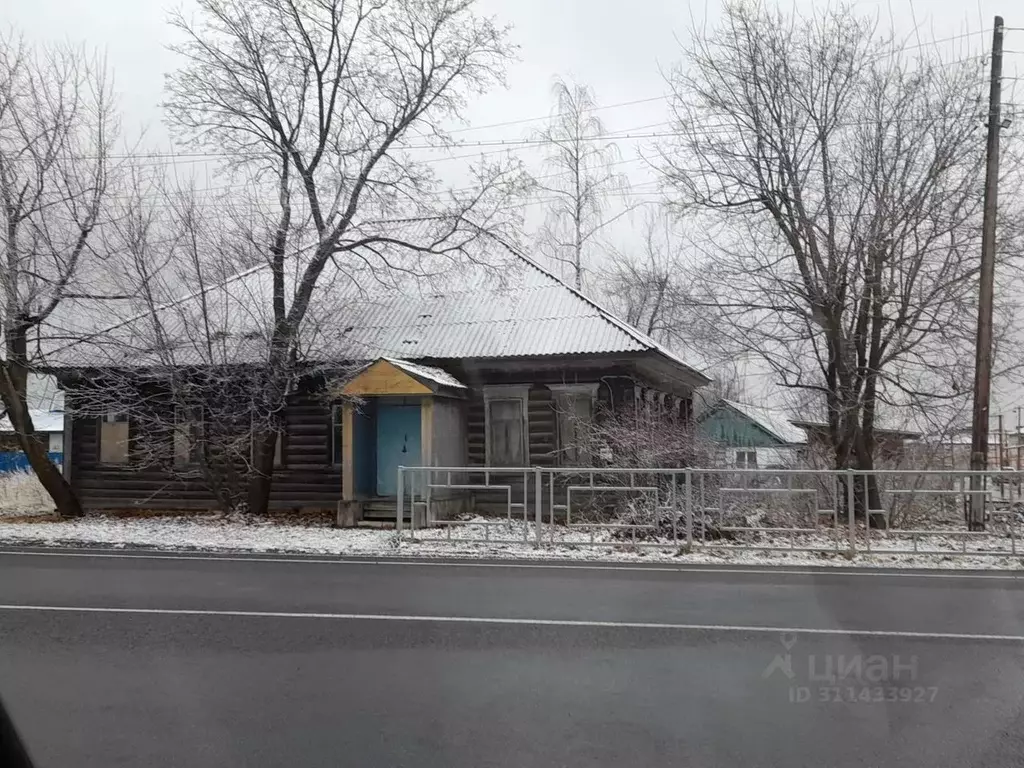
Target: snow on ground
x=21, y=494
x=216, y=533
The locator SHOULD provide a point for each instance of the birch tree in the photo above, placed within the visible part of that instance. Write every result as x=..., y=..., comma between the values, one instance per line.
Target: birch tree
x=325, y=99
x=841, y=178
x=579, y=159
x=57, y=126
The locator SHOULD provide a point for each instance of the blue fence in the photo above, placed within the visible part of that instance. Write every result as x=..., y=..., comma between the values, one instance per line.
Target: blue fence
x=16, y=461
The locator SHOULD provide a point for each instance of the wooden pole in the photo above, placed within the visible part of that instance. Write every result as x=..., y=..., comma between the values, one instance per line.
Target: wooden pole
x=983, y=346
x=1018, y=437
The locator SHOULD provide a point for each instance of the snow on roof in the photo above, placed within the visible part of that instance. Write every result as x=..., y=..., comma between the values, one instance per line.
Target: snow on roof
x=427, y=372
x=43, y=421
x=494, y=303
x=772, y=421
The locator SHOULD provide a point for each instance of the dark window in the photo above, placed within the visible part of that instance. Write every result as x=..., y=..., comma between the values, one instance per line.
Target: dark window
x=746, y=459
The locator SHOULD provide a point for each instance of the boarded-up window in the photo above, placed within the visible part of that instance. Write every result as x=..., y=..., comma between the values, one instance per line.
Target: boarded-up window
x=506, y=425
x=574, y=413
x=506, y=440
x=188, y=435
x=114, y=438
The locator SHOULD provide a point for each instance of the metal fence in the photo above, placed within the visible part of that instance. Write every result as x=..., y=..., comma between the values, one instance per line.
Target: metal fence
x=884, y=512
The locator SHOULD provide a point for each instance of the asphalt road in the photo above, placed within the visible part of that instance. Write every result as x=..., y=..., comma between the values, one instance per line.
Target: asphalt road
x=205, y=661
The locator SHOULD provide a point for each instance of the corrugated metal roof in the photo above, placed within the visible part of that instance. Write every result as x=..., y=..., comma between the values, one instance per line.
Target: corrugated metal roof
x=43, y=421
x=500, y=304
x=773, y=421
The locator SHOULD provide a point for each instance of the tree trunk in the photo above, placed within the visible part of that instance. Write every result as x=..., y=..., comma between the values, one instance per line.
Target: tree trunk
x=867, y=498
x=14, y=394
x=260, y=482
x=51, y=478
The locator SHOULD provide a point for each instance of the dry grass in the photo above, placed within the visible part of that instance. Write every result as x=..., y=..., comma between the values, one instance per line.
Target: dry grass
x=21, y=495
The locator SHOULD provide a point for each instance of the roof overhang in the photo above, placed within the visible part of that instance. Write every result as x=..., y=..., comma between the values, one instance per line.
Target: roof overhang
x=393, y=377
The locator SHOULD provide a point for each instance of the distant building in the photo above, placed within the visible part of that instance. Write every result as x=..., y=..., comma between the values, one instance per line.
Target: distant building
x=753, y=437
x=953, y=450
x=890, y=444
x=49, y=423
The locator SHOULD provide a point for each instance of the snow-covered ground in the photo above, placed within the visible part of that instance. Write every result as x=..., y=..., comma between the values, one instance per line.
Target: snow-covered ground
x=21, y=495
x=240, y=534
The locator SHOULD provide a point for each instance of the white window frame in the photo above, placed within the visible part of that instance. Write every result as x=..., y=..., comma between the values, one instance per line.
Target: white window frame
x=507, y=392
x=746, y=452
x=564, y=394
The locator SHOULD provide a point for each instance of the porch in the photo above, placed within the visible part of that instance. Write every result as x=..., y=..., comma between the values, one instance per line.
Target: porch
x=397, y=414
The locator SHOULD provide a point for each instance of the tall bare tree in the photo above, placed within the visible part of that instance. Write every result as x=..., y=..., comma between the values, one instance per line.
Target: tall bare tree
x=649, y=286
x=844, y=177
x=322, y=96
x=580, y=160
x=57, y=126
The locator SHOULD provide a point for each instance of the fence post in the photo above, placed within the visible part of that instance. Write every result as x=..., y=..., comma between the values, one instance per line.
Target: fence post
x=674, y=506
x=689, y=510
x=538, y=512
x=400, y=514
x=850, y=480
x=412, y=506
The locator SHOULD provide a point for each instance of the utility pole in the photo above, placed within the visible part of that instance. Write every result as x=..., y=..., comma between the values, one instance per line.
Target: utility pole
x=1017, y=438
x=1002, y=457
x=983, y=347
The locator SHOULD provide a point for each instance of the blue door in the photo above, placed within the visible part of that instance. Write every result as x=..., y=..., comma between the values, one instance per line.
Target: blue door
x=398, y=444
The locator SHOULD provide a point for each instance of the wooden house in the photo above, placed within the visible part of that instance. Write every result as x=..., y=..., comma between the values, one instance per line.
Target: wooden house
x=491, y=366
x=753, y=437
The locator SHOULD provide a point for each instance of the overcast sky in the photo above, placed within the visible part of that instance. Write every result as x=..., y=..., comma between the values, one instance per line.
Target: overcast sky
x=618, y=47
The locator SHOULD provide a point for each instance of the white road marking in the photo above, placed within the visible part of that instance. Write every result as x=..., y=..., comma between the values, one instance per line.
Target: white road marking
x=737, y=628
x=866, y=571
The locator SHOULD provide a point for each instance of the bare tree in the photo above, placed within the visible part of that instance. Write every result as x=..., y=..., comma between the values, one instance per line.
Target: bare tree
x=726, y=384
x=841, y=178
x=56, y=129
x=580, y=159
x=321, y=96
x=649, y=288
x=192, y=406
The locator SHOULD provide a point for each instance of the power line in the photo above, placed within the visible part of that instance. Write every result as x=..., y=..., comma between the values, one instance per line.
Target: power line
x=627, y=134
x=929, y=43
x=555, y=116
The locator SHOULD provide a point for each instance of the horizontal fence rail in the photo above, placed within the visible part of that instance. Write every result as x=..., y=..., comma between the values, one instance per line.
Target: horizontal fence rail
x=880, y=512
